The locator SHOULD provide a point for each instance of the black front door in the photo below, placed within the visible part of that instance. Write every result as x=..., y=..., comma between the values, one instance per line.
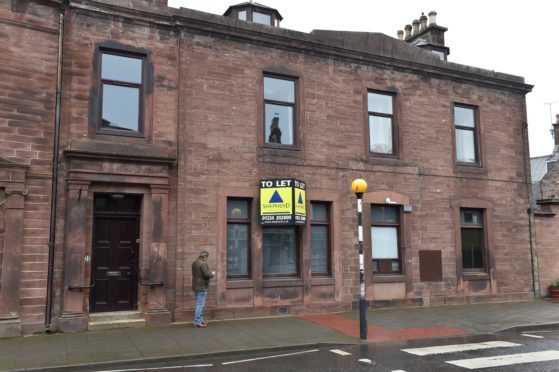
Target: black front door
x=114, y=256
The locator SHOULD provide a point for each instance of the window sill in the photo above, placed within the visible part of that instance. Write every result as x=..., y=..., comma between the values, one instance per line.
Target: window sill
x=322, y=281
x=274, y=283
x=389, y=278
x=273, y=153
x=476, y=276
x=383, y=160
x=120, y=133
x=472, y=169
x=239, y=283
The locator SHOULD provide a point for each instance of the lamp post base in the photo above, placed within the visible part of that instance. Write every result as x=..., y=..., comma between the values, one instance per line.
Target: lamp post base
x=362, y=319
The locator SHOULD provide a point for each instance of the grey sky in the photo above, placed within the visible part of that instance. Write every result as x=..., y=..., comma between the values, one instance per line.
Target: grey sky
x=515, y=37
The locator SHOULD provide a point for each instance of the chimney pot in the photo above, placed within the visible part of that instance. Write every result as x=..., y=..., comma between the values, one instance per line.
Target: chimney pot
x=408, y=31
x=423, y=22
x=400, y=35
x=432, y=18
x=415, y=25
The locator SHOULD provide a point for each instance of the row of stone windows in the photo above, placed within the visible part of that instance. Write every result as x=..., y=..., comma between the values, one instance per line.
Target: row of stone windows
x=280, y=245
x=122, y=85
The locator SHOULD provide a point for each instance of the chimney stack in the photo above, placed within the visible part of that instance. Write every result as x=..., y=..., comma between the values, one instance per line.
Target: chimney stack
x=415, y=25
x=408, y=31
x=422, y=22
x=426, y=34
x=555, y=131
x=432, y=18
x=400, y=35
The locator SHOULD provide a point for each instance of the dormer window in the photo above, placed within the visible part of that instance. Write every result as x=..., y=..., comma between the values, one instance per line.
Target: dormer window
x=439, y=54
x=263, y=19
x=255, y=13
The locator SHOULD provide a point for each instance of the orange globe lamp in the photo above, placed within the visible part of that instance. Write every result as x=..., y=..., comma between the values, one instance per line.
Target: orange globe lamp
x=359, y=186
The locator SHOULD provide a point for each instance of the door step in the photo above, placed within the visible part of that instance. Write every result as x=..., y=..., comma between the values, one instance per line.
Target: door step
x=114, y=320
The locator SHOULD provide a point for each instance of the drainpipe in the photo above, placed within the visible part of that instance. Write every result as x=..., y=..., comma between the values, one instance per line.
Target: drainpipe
x=534, y=252
x=531, y=216
x=54, y=188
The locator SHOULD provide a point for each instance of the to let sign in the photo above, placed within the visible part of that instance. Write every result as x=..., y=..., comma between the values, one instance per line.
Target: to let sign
x=282, y=202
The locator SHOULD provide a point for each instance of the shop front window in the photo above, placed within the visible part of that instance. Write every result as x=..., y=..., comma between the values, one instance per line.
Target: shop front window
x=280, y=251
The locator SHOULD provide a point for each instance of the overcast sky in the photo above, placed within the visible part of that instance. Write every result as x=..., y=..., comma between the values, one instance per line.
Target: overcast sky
x=515, y=37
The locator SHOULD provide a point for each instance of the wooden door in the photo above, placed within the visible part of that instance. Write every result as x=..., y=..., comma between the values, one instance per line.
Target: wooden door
x=114, y=263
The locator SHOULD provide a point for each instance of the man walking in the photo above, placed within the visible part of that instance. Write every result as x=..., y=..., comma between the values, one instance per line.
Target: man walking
x=201, y=276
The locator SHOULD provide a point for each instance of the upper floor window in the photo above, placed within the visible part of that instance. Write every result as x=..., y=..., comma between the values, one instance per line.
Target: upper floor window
x=320, y=238
x=381, y=123
x=263, y=19
x=439, y=54
x=472, y=239
x=122, y=90
x=466, y=136
x=243, y=15
x=238, y=238
x=279, y=111
x=385, y=236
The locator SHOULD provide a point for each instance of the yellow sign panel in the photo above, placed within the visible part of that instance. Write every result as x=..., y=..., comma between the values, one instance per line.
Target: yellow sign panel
x=282, y=202
x=276, y=201
x=300, y=202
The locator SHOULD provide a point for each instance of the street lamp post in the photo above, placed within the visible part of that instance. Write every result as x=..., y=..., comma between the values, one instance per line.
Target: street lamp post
x=359, y=187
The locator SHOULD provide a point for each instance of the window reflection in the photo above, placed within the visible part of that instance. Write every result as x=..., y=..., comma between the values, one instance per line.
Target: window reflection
x=280, y=251
x=121, y=107
x=381, y=123
x=279, y=110
x=121, y=92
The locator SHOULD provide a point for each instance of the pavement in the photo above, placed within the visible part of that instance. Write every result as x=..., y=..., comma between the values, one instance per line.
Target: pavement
x=124, y=347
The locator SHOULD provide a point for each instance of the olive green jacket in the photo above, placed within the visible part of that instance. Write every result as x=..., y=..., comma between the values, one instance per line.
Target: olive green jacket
x=201, y=275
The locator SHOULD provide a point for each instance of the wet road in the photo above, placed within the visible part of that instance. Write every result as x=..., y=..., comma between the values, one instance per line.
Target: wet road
x=536, y=350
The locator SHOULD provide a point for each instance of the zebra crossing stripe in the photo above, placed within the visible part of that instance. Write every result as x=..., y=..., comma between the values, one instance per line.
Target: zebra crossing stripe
x=506, y=360
x=458, y=347
x=533, y=336
x=340, y=352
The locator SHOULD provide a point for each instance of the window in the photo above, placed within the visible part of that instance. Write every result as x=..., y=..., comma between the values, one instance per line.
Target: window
x=263, y=19
x=381, y=123
x=320, y=239
x=238, y=238
x=243, y=15
x=465, y=124
x=280, y=251
x=439, y=54
x=473, y=237
x=279, y=110
x=385, y=233
x=121, y=93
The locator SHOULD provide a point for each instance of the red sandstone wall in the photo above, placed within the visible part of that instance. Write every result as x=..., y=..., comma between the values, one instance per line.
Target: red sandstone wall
x=85, y=32
x=220, y=114
x=27, y=101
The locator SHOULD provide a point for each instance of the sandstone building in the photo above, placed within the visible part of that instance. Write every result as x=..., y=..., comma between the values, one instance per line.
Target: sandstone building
x=134, y=135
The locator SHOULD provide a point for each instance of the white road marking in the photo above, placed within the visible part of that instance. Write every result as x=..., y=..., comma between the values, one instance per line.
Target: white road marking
x=529, y=335
x=271, y=356
x=366, y=361
x=158, y=368
x=458, y=347
x=399, y=370
x=340, y=352
x=506, y=360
